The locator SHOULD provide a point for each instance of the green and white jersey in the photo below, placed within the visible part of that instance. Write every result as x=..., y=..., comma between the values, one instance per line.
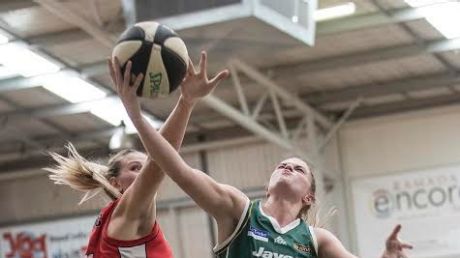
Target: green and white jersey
x=259, y=235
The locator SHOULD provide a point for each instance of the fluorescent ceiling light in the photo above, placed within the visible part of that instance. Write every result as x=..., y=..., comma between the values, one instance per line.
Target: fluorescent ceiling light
x=72, y=88
x=25, y=62
x=113, y=112
x=110, y=110
x=419, y=3
x=335, y=11
x=130, y=129
x=442, y=14
x=5, y=72
x=3, y=39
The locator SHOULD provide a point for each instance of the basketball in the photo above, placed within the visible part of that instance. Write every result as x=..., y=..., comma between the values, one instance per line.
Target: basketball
x=155, y=51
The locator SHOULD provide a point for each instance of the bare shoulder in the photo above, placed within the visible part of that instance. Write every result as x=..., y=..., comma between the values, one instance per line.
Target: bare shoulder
x=325, y=238
x=238, y=199
x=323, y=235
x=329, y=245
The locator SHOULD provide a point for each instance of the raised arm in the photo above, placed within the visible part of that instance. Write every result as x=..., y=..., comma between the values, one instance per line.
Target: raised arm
x=137, y=201
x=221, y=201
x=330, y=247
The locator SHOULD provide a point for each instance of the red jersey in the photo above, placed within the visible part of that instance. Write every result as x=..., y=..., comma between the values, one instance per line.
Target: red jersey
x=100, y=245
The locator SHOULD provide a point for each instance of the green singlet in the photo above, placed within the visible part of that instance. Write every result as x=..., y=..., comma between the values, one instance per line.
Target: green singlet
x=259, y=235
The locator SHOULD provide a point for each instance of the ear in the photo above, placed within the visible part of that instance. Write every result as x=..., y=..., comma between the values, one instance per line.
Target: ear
x=308, y=199
x=266, y=191
x=114, y=182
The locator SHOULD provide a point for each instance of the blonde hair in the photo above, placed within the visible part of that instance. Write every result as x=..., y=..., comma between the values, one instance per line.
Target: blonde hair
x=86, y=176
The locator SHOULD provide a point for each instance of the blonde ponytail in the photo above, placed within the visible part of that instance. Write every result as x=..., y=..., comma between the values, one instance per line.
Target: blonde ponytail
x=313, y=216
x=81, y=174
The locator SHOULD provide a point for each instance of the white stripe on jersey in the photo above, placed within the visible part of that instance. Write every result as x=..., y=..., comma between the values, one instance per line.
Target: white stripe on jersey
x=137, y=251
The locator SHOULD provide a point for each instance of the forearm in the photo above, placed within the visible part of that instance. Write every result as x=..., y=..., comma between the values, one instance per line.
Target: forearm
x=158, y=147
x=173, y=130
x=206, y=192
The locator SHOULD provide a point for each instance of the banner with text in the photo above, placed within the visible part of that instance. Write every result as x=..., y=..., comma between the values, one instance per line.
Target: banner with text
x=426, y=203
x=65, y=238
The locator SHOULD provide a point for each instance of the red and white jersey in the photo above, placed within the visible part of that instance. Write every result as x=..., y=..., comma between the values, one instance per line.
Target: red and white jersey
x=101, y=245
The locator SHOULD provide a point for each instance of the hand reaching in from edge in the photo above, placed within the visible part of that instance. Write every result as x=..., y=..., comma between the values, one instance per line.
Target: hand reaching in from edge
x=394, y=246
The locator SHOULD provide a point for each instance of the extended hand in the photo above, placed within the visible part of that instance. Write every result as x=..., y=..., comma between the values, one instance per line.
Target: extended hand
x=394, y=246
x=196, y=83
x=126, y=86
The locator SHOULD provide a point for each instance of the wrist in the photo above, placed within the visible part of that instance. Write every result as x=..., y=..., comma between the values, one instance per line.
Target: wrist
x=189, y=103
x=135, y=116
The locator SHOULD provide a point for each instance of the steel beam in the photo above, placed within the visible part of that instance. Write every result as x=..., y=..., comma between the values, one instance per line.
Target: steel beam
x=65, y=13
x=246, y=122
x=332, y=132
x=323, y=28
x=335, y=62
x=387, y=88
x=366, y=57
x=285, y=95
x=14, y=5
x=58, y=38
x=405, y=106
x=368, y=20
x=55, y=110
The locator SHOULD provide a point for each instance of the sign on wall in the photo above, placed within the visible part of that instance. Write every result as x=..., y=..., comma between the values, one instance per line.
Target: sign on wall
x=426, y=203
x=55, y=239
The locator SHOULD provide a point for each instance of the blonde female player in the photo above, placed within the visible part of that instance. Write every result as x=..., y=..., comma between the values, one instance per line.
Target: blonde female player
x=127, y=226
x=268, y=229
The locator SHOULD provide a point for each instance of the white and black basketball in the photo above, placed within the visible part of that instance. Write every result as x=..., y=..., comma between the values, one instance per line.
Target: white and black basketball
x=155, y=51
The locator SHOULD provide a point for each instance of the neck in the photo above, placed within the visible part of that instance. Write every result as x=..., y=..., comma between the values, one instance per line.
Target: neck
x=283, y=210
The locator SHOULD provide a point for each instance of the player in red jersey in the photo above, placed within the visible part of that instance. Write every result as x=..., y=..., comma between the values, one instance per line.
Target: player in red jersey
x=127, y=226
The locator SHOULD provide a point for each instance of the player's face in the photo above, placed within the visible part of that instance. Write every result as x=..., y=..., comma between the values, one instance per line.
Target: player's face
x=131, y=165
x=292, y=174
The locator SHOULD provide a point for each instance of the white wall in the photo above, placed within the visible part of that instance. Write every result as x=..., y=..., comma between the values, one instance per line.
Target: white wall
x=400, y=143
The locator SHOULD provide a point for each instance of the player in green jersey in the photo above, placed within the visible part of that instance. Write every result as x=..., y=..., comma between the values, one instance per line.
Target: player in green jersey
x=271, y=228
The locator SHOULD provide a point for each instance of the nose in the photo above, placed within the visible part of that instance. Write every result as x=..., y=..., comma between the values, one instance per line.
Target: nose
x=290, y=167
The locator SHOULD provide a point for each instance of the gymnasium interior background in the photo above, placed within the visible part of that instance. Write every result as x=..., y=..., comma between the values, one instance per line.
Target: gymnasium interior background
x=371, y=96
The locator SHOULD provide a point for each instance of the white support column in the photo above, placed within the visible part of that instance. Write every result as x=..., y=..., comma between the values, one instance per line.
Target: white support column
x=312, y=141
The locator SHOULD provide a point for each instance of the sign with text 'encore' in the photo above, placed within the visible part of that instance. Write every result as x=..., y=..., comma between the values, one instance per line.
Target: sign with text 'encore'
x=425, y=202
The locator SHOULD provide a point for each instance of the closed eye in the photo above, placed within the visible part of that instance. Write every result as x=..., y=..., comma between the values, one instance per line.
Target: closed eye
x=300, y=169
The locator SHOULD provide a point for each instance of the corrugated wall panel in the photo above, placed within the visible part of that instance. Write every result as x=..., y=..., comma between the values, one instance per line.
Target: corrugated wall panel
x=168, y=189
x=187, y=231
x=245, y=166
x=36, y=197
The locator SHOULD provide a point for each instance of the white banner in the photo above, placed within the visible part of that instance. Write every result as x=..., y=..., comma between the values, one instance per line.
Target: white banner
x=55, y=239
x=426, y=203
